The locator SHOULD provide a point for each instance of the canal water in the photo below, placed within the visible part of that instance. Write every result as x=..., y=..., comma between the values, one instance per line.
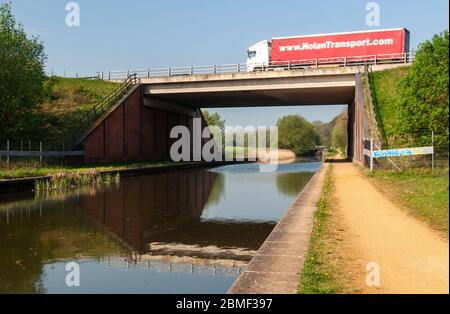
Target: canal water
x=189, y=231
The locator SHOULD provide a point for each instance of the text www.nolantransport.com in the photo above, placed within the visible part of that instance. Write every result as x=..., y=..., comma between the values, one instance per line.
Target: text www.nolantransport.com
x=337, y=44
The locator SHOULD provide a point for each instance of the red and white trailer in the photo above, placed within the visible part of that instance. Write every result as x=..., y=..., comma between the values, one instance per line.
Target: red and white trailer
x=388, y=46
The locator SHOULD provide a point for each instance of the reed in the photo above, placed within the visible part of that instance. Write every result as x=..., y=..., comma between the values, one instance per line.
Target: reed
x=66, y=181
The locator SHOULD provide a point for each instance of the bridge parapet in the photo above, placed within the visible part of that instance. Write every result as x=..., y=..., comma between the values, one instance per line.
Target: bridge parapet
x=341, y=62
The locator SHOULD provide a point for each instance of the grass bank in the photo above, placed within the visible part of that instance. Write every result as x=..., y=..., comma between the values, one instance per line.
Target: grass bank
x=71, y=181
x=64, y=102
x=26, y=171
x=67, y=99
x=387, y=101
x=324, y=270
x=422, y=192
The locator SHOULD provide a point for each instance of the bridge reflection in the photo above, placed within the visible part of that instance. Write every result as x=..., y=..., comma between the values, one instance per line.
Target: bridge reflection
x=162, y=215
x=200, y=223
x=177, y=264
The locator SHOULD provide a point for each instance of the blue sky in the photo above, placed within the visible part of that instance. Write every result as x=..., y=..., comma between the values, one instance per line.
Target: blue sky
x=116, y=35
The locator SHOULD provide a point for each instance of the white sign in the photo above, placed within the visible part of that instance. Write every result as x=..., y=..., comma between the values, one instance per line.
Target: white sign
x=403, y=152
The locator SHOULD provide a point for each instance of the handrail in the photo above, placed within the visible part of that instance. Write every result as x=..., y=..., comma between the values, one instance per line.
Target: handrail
x=393, y=58
x=370, y=107
x=106, y=102
x=98, y=108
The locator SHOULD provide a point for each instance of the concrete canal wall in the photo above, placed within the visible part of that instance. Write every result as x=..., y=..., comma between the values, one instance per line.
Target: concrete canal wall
x=276, y=267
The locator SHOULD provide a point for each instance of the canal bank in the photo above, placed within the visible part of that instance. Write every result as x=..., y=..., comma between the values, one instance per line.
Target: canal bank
x=27, y=184
x=276, y=266
x=189, y=231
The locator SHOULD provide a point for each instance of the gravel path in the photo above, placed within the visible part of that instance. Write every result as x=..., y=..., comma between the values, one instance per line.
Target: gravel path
x=411, y=257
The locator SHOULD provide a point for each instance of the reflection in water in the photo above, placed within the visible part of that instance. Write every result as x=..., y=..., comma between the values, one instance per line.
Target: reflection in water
x=37, y=233
x=179, y=232
x=289, y=183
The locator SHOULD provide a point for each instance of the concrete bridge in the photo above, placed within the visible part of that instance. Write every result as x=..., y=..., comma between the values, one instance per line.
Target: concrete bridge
x=138, y=126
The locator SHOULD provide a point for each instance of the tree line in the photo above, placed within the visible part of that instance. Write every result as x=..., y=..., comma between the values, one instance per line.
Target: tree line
x=298, y=134
x=423, y=92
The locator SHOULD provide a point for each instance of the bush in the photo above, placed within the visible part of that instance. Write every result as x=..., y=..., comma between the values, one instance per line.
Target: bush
x=297, y=134
x=424, y=92
x=21, y=74
x=339, y=133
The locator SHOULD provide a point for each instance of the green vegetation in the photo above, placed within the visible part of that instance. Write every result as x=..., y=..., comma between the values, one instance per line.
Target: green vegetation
x=33, y=106
x=334, y=133
x=20, y=171
x=64, y=103
x=325, y=130
x=317, y=275
x=47, y=236
x=214, y=119
x=424, y=91
x=69, y=181
x=411, y=102
x=323, y=272
x=386, y=98
x=297, y=134
x=422, y=192
x=339, y=133
x=22, y=74
x=290, y=183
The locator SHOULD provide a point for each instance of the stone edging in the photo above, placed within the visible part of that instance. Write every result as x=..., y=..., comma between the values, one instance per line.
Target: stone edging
x=276, y=266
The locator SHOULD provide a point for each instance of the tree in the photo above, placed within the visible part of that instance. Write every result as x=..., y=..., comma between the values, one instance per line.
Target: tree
x=339, y=133
x=424, y=92
x=21, y=74
x=325, y=129
x=297, y=134
x=214, y=119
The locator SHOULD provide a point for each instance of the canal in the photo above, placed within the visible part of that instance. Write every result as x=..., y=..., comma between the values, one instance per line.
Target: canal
x=190, y=231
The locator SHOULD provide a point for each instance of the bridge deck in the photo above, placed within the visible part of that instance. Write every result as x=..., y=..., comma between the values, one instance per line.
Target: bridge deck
x=321, y=86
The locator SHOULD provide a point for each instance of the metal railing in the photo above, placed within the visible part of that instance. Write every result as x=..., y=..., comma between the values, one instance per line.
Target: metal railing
x=373, y=120
x=272, y=66
x=26, y=152
x=99, y=108
x=419, y=150
x=105, y=103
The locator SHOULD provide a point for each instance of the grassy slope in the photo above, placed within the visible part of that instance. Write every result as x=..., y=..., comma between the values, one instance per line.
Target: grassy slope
x=386, y=101
x=66, y=99
x=423, y=192
x=324, y=271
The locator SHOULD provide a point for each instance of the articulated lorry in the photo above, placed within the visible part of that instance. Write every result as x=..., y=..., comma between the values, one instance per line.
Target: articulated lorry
x=337, y=49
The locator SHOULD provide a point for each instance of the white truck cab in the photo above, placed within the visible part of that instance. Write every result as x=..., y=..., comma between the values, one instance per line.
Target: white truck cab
x=259, y=55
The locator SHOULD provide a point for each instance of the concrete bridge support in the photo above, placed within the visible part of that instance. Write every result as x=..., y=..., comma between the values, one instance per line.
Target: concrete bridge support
x=137, y=129
x=358, y=123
